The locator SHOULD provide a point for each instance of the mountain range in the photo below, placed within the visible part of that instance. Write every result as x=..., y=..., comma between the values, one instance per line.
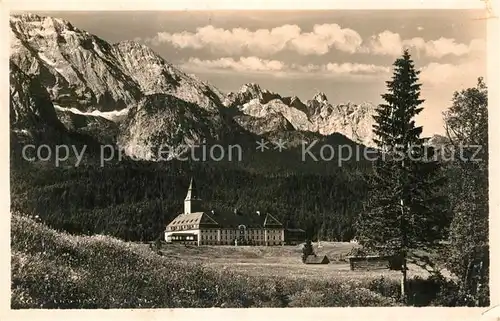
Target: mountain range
x=64, y=78
x=69, y=87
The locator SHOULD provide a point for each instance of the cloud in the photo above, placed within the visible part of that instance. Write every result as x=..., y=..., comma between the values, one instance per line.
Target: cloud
x=244, y=64
x=385, y=43
x=319, y=41
x=390, y=43
x=439, y=82
x=281, y=69
x=349, y=68
x=439, y=75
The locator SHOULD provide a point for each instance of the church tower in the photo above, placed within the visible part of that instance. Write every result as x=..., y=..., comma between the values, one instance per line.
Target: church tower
x=192, y=203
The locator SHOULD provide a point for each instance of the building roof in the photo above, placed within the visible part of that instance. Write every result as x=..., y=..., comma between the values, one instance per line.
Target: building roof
x=197, y=218
x=313, y=259
x=299, y=230
x=226, y=219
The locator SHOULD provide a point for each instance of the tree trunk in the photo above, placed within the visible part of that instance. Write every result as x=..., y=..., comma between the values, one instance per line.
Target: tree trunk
x=403, y=253
x=403, y=281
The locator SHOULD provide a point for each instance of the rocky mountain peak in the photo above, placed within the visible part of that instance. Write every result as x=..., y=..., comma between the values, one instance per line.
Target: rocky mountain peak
x=78, y=69
x=253, y=91
x=316, y=115
x=154, y=75
x=250, y=88
x=83, y=71
x=247, y=93
x=137, y=49
x=46, y=22
x=320, y=97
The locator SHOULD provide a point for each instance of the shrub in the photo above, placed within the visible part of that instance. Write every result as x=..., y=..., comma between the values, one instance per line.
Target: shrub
x=386, y=287
x=307, y=298
x=435, y=290
x=307, y=250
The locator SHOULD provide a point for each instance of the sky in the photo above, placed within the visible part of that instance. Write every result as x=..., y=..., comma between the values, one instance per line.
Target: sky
x=347, y=54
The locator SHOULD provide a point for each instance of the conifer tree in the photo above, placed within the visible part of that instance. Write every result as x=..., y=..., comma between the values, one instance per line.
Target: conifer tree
x=404, y=207
x=307, y=250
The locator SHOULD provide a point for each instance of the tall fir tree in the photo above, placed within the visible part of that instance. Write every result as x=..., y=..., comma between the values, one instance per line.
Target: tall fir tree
x=404, y=207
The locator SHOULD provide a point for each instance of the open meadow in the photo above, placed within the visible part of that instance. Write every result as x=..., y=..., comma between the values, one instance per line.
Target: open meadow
x=55, y=269
x=281, y=261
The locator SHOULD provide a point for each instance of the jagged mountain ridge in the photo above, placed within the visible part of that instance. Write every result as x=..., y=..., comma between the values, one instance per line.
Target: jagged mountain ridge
x=315, y=115
x=93, y=84
x=83, y=71
x=77, y=69
x=103, y=90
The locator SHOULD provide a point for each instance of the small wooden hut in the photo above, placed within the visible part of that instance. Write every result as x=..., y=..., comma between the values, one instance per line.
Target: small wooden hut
x=313, y=259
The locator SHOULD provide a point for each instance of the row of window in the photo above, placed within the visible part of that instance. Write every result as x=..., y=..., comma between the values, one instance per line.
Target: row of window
x=231, y=242
x=183, y=227
x=226, y=237
x=187, y=238
x=210, y=241
x=223, y=232
x=184, y=221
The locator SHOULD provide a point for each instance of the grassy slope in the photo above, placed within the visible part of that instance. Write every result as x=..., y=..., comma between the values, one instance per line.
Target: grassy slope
x=57, y=270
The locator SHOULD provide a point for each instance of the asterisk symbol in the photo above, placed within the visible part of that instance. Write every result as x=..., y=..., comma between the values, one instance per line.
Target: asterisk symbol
x=280, y=145
x=262, y=145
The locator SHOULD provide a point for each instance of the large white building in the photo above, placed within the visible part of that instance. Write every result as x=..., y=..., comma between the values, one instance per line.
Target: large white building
x=198, y=227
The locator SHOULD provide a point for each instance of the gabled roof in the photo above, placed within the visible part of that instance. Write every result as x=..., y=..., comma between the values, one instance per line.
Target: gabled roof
x=233, y=220
x=226, y=220
x=271, y=221
x=299, y=230
x=197, y=218
x=312, y=259
x=249, y=220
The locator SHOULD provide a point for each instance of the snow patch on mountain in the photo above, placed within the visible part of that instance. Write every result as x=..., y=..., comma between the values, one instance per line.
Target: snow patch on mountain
x=114, y=115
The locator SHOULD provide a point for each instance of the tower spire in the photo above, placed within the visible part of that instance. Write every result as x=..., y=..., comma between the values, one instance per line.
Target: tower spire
x=192, y=201
x=192, y=193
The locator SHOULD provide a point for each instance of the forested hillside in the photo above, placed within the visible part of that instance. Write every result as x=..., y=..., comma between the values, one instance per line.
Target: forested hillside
x=135, y=200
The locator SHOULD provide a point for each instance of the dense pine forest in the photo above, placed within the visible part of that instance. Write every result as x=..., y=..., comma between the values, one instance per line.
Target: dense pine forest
x=135, y=200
